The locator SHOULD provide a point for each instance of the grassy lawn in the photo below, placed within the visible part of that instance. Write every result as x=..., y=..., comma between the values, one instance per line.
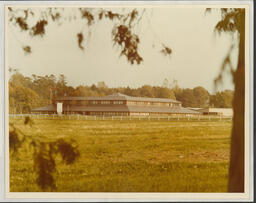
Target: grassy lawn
x=132, y=156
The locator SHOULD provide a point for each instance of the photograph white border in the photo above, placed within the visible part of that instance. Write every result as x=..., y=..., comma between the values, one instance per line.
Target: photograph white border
x=44, y=196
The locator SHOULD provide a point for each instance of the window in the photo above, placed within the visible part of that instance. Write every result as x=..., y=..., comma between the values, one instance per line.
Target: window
x=131, y=103
x=94, y=102
x=105, y=102
x=118, y=102
x=177, y=104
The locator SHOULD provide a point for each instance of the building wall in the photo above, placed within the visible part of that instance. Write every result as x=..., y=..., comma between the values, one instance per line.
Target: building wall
x=70, y=103
x=218, y=111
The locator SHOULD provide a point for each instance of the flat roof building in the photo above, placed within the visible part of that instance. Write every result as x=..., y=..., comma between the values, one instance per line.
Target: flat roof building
x=115, y=104
x=217, y=111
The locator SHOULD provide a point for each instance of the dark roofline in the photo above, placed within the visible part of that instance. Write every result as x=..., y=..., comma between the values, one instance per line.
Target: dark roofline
x=120, y=97
x=45, y=108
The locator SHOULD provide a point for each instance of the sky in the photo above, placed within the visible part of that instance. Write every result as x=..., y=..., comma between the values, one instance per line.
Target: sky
x=197, y=51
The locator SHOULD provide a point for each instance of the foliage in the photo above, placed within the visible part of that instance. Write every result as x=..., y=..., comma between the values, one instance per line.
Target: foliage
x=44, y=153
x=26, y=93
x=222, y=99
x=202, y=96
x=129, y=42
x=122, y=32
x=16, y=139
x=22, y=99
x=166, y=50
x=187, y=98
x=80, y=39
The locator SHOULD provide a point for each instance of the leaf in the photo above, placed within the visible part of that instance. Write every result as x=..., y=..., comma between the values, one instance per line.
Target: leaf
x=28, y=121
x=27, y=49
x=68, y=150
x=87, y=15
x=166, y=50
x=39, y=28
x=80, y=39
x=22, y=23
x=128, y=41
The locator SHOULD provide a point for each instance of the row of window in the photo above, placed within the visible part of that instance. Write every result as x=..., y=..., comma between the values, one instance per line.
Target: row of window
x=85, y=102
x=140, y=103
x=110, y=113
x=139, y=114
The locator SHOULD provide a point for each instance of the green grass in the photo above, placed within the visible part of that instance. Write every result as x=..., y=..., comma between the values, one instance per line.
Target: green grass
x=132, y=156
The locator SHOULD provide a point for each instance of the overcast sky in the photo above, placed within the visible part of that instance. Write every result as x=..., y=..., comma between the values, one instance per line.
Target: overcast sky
x=195, y=61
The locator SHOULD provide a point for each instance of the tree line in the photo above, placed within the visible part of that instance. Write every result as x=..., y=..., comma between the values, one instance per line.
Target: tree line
x=26, y=93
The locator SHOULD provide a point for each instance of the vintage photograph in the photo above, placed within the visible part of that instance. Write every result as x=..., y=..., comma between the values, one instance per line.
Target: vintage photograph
x=126, y=98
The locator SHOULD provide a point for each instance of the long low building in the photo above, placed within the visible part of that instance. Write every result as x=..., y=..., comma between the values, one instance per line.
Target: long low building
x=115, y=104
x=217, y=111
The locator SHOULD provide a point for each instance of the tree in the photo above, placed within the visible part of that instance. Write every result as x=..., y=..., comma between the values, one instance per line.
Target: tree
x=146, y=91
x=233, y=21
x=187, y=98
x=22, y=99
x=222, y=99
x=19, y=79
x=61, y=86
x=164, y=92
x=201, y=96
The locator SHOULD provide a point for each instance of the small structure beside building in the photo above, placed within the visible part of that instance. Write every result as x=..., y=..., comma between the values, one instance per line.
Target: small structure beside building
x=115, y=105
x=215, y=111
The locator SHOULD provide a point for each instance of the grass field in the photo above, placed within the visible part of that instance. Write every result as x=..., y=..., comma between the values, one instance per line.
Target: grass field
x=132, y=156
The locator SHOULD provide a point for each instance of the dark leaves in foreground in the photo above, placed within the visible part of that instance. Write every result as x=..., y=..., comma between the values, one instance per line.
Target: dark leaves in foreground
x=123, y=36
x=44, y=153
x=87, y=15
x=28, y=121
x=80, y=39
x=67, y=150
x=109, y=14
x=232, y=19
x=133, y=15
x=39, y=28
x=27, y=49
x=55, y=15
x=45, y=159
x=45, y=166
x=166, y=50
x=22, y=23
x=16, y=139
x=226, y=65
